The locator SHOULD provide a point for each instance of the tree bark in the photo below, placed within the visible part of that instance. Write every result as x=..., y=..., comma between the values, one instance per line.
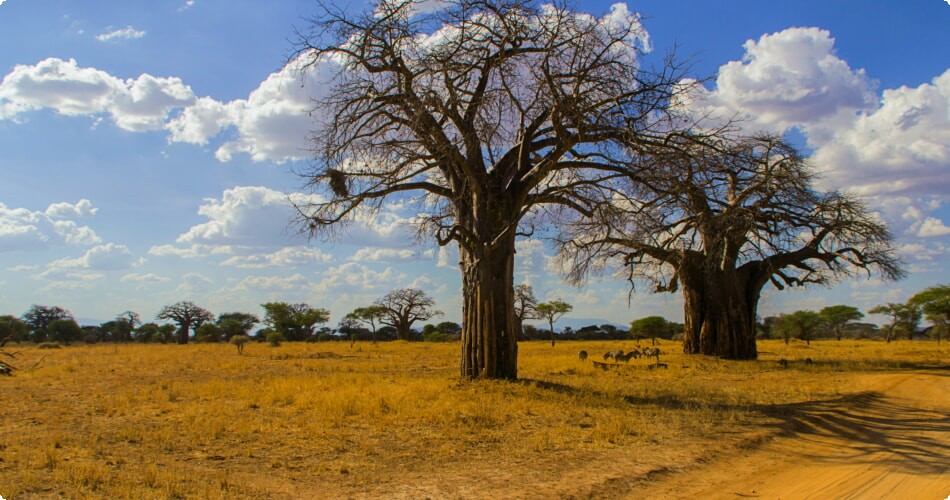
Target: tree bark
x=720, y=310
x=489, y=325
x=183, y=333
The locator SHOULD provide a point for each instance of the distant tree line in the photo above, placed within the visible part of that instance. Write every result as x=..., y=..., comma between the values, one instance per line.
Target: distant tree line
x=393, y=316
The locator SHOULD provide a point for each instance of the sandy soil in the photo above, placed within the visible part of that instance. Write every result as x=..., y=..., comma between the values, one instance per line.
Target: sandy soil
x=890, y=441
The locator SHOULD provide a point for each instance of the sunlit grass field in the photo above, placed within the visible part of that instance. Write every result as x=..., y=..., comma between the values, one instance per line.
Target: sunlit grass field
x=330, y=420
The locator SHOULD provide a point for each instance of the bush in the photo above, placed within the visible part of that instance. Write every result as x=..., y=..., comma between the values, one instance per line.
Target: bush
x=47, y=345
x=239, y=341
x=275, y=338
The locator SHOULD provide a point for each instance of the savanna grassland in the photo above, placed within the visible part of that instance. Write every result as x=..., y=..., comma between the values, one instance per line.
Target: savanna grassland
x=327, y=420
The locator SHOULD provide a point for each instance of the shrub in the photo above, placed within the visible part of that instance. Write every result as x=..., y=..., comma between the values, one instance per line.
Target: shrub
x=239, y=341
x=47, y=345
x=275, y=338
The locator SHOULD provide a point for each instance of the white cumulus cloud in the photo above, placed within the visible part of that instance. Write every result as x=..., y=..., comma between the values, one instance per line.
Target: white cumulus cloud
x=24, y=229
x=285, y=257
x=127, y=33
x=63, y=86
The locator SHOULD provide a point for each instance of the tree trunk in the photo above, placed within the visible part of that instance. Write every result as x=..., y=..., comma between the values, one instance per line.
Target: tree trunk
x=489, y=335
x=183, y=333
x=720, y=310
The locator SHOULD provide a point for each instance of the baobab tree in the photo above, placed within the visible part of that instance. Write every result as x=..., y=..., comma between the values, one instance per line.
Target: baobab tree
x=526, y=306
x=187, y=315
x=487, y=114
x=720, y=217
x=401, y=308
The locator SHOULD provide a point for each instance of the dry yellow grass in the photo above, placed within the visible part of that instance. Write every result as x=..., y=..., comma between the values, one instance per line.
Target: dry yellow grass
x=392, y=420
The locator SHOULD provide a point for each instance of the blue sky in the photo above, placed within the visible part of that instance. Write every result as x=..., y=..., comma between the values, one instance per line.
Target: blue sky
x=147, y=151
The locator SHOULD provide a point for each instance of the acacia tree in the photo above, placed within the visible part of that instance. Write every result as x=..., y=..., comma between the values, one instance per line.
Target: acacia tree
x=904, y=318
x=403, y=307
x=722, y=216
x=187, y=315
x=935, y=303
x=650, y=326
x=489, y=111
x=295, y=322
x=370, y=315
x=838, y=317
x=552, y=311
x=801, y=324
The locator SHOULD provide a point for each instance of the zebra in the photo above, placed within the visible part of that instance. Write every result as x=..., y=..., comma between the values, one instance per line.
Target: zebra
x=582, y=355
x=615, y=355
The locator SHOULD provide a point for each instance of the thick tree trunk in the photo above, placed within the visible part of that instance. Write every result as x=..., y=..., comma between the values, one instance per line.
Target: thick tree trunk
x=489, y=325
x=183, y=333
x=720, y=310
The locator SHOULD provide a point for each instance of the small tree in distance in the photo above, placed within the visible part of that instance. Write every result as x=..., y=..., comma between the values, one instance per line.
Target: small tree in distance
x=553, y=311
x=838, y=317
x=187, y=315
x=935, y=303
x=651, y=326
x=401, y=308
x=370, y=315
x=904, y=318
x=801, y=324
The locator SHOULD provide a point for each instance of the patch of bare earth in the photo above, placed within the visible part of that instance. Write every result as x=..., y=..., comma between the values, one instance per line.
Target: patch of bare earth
x=891, y=441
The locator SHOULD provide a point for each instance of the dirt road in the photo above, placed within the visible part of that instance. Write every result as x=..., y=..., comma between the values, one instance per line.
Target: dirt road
x=892, y=441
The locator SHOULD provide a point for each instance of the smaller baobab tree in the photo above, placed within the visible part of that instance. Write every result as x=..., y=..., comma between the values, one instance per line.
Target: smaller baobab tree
x=526, y=306
x=720, y=217
x=837, y=318
x=125, y=325
x=404, y=307
x=187, y=315
x=552, y=311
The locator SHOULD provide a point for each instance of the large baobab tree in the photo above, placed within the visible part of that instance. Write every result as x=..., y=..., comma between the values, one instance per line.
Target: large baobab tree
x=488, y=114
x=401, y=308
x=188, y=315
x=722, y=218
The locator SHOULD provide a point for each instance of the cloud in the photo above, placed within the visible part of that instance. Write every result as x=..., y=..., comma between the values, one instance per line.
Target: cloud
x=101, y=258
x=23, y=229
x=142, y=278
x=931, y=227
x=127, y=33
x=370, y=254
x=136, y=105
x=273, y=123
x=353, y=276
x=258, y=283
x=902, y=147
x=194, y=283
x=791, y=78
x=188, y=4
x=285, y=257
x=251, y=216
x=67, y=210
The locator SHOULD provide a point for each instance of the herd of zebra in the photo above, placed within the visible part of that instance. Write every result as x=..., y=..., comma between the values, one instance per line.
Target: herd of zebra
x=618, y=355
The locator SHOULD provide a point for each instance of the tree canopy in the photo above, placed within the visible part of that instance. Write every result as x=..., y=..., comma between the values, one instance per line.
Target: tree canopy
x=721, y=216
x=187, y=315
x=487, y=115
x=403, y=307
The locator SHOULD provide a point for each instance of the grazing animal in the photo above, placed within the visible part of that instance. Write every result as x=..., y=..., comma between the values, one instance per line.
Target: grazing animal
x=635, y=354
x=783, y=363
x=613, y=355
x=651, y=352
x=582, y=355
x=808, y=361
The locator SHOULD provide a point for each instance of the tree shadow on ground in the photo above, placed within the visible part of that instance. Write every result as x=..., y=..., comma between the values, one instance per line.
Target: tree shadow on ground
x=867, y=427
